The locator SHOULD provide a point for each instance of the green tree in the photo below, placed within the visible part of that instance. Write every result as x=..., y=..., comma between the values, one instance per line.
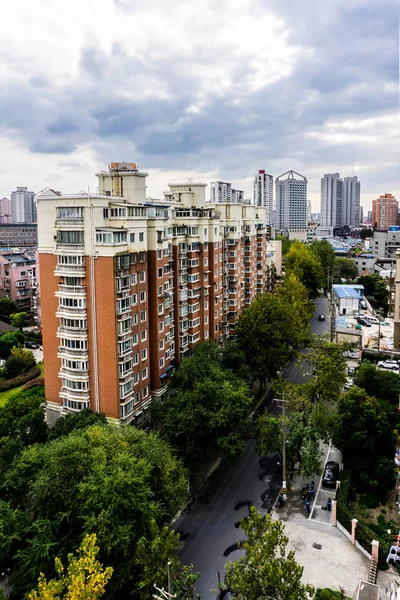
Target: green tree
x=330, y=369
x=19, y=361
x=364, y=435
x=234, y=359
x=266, y=570
x=19, y=320
x=345, y=269
x=81, y=420
x=23, y=418
x=7, y=306
x=8, y=340
x=121, y=483
x=326, y=255
x=307, y=267
x=384, y=385
x=272, y=327
x=84, y=578
x=374, y=287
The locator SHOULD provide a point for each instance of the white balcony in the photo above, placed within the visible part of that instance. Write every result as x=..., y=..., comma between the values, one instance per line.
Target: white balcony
x=76, y=291
x=71, y=312
x=72, y=353
x=69, y=248
x=74, y=374
x=72, y=333
x=70, y=270
x=77, y=395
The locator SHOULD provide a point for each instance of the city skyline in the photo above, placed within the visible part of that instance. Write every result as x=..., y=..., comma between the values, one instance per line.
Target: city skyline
x=242, y=87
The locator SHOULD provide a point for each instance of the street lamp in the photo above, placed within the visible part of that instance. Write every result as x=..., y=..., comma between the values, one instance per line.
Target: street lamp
x=284, y=489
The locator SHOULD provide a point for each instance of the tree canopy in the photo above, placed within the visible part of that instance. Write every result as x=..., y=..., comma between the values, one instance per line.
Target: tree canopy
x=364, y=435
x=384, y=385
x=374, y=286
x=20, y=360
x=326, y=255
x=266, y=570
x=345, y=269
x=19, y=320
x=307, y=267
x=7, y=306
x=207, y=408
x=121, y=483
x=270, y=329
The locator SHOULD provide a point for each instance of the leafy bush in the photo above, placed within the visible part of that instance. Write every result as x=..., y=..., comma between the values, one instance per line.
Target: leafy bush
x=19, y=361
x=9, y=384
x=38, y=381
x=327, y=594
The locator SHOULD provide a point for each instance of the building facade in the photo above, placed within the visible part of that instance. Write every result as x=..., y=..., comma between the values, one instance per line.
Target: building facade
x=385, y=211
x=128, y=286
x=18, y=236
x=351, y=202
x=263, y=193
x=5, y=211
x=384, y=244
x=224, y=192
x=18, y=279
x=291, y=201
x=23, y=208
x=331, y=200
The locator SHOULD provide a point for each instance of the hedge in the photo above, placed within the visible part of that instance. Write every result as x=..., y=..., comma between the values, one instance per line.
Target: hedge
x=9, y=384
x=39, y=381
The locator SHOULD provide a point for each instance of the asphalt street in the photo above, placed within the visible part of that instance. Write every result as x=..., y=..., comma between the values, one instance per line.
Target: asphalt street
x=209, y=525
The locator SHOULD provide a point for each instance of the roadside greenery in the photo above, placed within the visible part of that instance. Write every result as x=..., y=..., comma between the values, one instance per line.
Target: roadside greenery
x=374, y=287
x=266, y=570
x=207, y=408
x=306, y=266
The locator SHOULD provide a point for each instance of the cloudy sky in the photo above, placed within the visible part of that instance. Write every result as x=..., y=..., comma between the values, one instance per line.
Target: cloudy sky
x=210, y=89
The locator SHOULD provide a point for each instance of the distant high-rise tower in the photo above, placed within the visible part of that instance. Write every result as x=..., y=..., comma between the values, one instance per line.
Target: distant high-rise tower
x=331, y=200
x=5, y=211
x=385, y=211
x=23, y=208
x=351, y=202
x=291, y=201
x=223, y=192
x=263, y=192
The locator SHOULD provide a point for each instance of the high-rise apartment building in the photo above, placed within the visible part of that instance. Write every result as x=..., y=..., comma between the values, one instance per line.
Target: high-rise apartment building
x=291, y=201
x=385, y=211
x=263, y=192
x=351, y=202
x=331, y=200
x=128, y=286
x=23, y=208
x=5, y=211
x=224, y=192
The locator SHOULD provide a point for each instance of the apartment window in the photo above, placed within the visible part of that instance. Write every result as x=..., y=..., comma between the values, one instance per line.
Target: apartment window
x=70, y=237
x=110, y=237
x=206, y=305
x=194, y=307
x=135, y=358
x=216, y=314
x=125, y=367
x=125, y=389
x=160, y=272
x=123, y=305
x=159, y=253
x=125, y=346
x=143, y=335
x=135, y=339
x=215, y=258
x=144, y=354
x=141, y=236
x=134, y=319
x=105, y=210
x=124, y=326
x=142, y=296
x=160, y=309
x=132, y=238
x=216, y=327
x=162, y=363
x=136, y=379
x=143, y=315
x=205, y=232
x=161, y=344
x=136, y=398
x=206, y=261
x=215, y=230
x=144, y=373
x=216, y=273
x=134, y=299
x=161, y=326
x=142, y=276
x=206, y=320
x=133, y=279
x=206, y=334
x=145, y=392
x=160, y=290
x=118, y=212
x=142, y=257
x=69, y=212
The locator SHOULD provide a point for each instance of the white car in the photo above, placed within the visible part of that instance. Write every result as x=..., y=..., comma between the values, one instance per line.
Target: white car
x=349, y=383
x=373, y=320
x=388, y=364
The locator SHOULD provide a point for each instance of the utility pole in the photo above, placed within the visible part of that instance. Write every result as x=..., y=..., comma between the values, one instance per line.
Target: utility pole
x=162, y=594
x=332, y=314
x=379, y=313
x=284, y=488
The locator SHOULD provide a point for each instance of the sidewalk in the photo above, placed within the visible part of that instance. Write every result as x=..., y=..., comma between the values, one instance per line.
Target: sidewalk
x=328, y=557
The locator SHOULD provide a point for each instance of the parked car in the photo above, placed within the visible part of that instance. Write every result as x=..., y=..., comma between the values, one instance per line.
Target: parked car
x=331, y=474
x=321, y=317
x=31, y=345
x=362, y=321
x=373, y=320
x=388, y=364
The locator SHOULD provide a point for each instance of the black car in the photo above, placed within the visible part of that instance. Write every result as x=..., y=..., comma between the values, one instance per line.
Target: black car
x=321, y=317
x=32, y=345
x=331, y=474
x=364, y=322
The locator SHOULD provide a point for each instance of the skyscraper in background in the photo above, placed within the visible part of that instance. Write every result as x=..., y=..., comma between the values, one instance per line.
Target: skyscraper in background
x=351, y=201
x=331, y=200
x=5, y=211
x=263, y=192
x=291, y=201
x=224, y=192
x=23, y=208
x=385, y=211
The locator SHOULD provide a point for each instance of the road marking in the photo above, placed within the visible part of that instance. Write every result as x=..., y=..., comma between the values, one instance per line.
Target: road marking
x=324, y=522
x=320, y=481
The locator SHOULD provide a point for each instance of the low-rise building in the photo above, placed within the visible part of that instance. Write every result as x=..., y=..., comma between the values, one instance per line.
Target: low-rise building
x=17, y=277
x=348, y=298
x=18, y=235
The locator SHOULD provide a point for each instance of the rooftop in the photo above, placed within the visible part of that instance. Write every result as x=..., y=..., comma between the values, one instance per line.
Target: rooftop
x=349, y=291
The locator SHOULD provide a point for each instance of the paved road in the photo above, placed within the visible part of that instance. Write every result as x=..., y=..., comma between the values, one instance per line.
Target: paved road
x=209, y=526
